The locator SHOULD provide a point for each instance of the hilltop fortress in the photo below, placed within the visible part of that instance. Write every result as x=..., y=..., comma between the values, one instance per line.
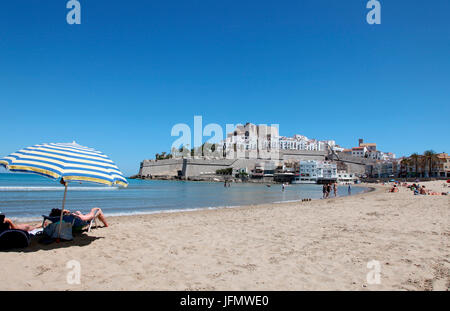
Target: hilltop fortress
x=252, y=153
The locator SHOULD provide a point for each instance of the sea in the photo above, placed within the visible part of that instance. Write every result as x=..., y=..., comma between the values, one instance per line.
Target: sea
x=26, y=197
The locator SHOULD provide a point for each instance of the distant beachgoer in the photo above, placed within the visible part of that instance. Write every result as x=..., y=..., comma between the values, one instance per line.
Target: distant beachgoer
x=349, y=189
x=282, y=187
x=394, y=189
x=335, y=189
x=328, y=190
x=324, y=190
x=423, y=190
x=225, y=183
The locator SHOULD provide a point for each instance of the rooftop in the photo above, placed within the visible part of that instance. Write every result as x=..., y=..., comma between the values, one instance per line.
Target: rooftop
x=367, y=145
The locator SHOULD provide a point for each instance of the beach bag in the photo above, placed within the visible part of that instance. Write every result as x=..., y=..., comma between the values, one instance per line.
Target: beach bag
x=51, y=231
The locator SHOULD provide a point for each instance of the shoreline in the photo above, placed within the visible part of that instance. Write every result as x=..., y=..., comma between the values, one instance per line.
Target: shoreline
x=259, y=205
x=369, y=188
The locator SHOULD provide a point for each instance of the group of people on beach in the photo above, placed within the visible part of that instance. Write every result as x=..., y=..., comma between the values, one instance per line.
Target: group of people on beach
x=421, y=190
x=327, y=188
x=95, y=212
x=416, y=188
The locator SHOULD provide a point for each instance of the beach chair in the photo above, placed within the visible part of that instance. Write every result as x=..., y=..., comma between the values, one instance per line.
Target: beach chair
x=77, y=223
x=13, y=238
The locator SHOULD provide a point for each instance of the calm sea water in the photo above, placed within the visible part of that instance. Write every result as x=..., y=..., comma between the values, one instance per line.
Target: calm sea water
x=27, y=196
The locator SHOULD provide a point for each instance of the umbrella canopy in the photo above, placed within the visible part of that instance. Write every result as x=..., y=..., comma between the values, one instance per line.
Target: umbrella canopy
x=68, y=161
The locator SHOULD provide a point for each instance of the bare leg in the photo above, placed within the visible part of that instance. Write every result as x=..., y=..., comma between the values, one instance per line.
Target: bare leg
x=90, y=216
x=100, y=215
x=24, y=227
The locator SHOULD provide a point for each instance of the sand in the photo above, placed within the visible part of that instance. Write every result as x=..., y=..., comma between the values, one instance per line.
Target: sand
x=318, y=245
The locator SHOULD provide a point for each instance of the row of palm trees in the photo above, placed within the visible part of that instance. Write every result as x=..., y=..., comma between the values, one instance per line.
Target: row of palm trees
x=425, y=162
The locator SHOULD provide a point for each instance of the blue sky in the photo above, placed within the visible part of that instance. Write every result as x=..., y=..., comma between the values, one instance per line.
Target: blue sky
x=133, y=69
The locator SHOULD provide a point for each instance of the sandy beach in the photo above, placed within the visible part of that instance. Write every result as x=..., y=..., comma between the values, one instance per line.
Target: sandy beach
x=317, y=245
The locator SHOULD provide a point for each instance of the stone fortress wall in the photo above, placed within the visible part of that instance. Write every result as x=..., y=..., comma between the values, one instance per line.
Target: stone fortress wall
x=192, y=167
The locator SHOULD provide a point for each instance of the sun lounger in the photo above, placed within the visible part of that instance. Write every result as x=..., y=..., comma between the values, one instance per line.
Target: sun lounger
x=12, y=238
x=76, y=222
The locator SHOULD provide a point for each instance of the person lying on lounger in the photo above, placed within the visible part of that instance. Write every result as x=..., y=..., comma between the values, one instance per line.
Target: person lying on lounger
x=24, y=227
x=95, y=212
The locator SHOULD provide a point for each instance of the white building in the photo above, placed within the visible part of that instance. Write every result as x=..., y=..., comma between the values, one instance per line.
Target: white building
x=307, y=173
x=369, y=150
x=337, y=148
x=326, y=170
x=312, y=171
x=344, y=177
x=300, y=142
x=359, y=152
x=250, y=137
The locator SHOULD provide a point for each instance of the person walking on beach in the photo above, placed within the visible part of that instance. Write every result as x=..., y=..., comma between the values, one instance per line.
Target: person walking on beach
x=324, y=190
x=349, y=189
x=335, y=189
x=328, y=190
x=282, y=187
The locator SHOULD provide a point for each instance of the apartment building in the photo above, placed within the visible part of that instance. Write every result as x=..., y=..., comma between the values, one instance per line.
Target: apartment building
x=312, y=172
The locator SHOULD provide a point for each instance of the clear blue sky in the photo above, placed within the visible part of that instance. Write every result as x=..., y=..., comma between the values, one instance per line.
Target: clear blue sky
x=119, y=81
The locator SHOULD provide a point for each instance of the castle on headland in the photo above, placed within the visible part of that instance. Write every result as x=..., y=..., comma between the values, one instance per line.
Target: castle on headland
x=258, y=153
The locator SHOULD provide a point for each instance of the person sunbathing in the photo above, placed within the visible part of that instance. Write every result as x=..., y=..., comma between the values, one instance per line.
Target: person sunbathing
x=24, y=227
x=95, y=212
x=394, y=189
x=423, y=190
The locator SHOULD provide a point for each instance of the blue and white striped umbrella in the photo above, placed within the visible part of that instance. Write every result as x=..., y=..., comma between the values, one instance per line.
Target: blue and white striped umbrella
x=68, y=161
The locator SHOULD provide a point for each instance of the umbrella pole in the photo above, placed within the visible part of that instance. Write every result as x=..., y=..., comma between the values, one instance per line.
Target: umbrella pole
x=62, y=211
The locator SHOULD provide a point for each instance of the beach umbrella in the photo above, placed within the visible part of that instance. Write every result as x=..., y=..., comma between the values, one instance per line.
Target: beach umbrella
x=65, y=162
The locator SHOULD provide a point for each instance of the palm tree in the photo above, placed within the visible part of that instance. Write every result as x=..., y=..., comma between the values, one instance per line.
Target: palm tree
x=415, y=157
x=430, y=159
x=405, y=163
